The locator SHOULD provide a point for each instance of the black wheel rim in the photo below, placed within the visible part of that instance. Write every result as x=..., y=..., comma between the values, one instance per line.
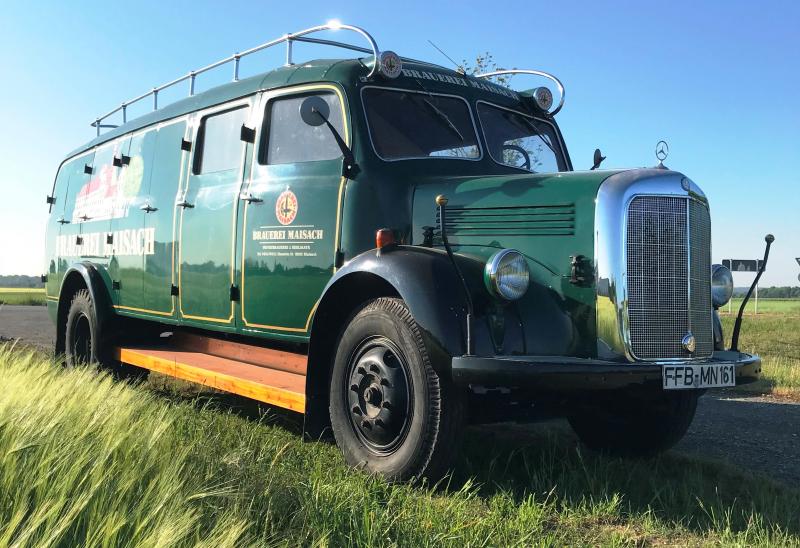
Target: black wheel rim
x=82, y=339
x=378, y=395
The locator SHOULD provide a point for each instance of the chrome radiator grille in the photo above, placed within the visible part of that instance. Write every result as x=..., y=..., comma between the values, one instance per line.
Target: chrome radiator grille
x=668, y=257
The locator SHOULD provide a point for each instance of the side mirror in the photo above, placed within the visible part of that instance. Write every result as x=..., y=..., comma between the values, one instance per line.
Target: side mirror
x=314, y=110
x=598, y=159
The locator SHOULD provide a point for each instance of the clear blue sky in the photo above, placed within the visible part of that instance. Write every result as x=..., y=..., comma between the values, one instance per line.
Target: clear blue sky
x=720, y=81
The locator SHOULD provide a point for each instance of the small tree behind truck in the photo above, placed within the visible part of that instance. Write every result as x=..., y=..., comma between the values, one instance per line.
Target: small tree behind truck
x=393, y=249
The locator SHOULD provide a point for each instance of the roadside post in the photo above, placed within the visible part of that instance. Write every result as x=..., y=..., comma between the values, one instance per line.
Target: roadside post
x=746, y=265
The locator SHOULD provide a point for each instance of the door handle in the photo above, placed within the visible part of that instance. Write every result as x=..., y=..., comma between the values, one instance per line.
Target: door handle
x=147, y=208
x=250, y=199
x=184, y=204
x=62, y=221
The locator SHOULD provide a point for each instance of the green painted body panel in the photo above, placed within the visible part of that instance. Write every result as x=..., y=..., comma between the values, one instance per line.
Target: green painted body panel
x=52, y=268
x=547, y=217
x=207, y=247
x=65, y=249
x=286, y=267
x=224, y=241
x=168, y=167
x=131, y=179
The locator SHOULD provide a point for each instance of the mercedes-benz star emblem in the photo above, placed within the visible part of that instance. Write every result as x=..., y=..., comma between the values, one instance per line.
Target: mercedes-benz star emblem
x=662, y=150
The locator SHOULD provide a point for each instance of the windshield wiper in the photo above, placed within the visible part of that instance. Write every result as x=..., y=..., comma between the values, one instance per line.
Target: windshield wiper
x=439, y=114
x=444, y=118
x=545, y=138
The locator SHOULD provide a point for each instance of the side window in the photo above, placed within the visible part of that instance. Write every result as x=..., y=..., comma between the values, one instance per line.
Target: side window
x=220, y=144
x=288, y=140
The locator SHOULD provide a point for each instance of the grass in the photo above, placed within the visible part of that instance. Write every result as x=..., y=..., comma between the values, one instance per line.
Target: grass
x=766, y=306
x=21, y=296
x=91, y=462
x=775, y=336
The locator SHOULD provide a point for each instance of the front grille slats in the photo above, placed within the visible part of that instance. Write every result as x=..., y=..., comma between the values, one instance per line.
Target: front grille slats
x=668, y=259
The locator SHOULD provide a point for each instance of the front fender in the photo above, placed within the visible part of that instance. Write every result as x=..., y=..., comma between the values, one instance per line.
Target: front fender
x=426, y=280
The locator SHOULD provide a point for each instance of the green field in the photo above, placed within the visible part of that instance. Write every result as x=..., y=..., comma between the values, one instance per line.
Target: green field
x=775, y=335
x=19, y=295
x=766, y=306
x=87, y=461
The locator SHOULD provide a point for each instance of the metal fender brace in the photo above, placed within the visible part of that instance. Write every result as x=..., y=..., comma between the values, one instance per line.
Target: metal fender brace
x=441, y=202
x=769, y=238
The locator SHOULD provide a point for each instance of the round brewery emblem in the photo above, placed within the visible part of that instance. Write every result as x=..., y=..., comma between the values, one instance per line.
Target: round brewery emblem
x=286, y=207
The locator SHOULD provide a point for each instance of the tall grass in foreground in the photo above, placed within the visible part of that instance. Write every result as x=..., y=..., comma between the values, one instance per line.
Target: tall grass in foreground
x=86, y=461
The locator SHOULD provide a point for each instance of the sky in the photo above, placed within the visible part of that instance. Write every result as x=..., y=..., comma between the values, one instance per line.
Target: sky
x=719, y=81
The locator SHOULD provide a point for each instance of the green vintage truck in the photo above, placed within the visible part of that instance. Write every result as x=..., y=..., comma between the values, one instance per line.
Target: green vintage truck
x=394, y=249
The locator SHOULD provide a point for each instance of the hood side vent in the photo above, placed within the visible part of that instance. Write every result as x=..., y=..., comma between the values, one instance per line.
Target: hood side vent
x=539, y=220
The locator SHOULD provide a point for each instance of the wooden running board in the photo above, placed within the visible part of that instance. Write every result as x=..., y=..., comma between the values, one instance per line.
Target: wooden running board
x=273, y=386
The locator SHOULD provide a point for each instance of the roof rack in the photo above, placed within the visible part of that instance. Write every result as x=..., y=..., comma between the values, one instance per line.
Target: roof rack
x=300, y=36
x=531, y=71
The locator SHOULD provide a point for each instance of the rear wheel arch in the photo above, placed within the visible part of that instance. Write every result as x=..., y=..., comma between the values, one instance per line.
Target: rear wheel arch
x=81, y=276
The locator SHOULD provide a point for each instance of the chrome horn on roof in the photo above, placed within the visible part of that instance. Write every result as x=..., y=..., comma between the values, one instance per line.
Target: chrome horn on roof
x=543, y=74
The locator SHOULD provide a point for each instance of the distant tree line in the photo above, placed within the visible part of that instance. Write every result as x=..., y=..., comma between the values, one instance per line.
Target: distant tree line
x=785, y=292
x=20, y=280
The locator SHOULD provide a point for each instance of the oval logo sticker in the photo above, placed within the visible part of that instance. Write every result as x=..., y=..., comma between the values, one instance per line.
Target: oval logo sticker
x=286, y=207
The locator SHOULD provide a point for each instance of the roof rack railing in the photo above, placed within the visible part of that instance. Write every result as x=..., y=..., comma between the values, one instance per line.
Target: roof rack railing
x=300, y=36
x=543, y=74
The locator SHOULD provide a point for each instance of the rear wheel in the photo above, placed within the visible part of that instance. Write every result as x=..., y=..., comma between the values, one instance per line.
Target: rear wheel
x=390, y=411
x=85, y=342
x=636, y=425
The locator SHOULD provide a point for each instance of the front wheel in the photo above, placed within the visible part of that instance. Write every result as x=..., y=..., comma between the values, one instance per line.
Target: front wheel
x=636, y=425
x=390, y=411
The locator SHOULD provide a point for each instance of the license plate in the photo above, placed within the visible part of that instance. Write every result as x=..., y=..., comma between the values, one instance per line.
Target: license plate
x=692, y=376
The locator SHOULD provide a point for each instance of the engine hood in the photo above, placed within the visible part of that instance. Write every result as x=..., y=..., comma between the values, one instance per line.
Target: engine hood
x=550, y=219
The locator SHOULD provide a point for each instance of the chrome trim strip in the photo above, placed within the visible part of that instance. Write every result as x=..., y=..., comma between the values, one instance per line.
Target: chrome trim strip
x=611, y=218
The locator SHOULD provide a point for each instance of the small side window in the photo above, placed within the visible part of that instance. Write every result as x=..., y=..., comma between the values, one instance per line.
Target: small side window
x=288, y=139
x=220, y=144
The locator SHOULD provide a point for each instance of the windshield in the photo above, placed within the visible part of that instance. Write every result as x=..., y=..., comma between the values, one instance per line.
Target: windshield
x=410, y=124
x=517, y=140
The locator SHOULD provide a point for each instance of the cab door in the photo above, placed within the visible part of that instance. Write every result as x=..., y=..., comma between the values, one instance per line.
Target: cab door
x=291, y=209
x=208, y=208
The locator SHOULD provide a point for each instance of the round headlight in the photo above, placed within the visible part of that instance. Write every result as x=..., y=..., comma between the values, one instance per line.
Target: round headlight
x=721, y=285
x=506, y=275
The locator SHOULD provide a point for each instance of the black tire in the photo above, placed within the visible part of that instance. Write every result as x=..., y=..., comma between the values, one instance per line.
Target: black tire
x=409, y=419
x=638, y=426
x=86, y=344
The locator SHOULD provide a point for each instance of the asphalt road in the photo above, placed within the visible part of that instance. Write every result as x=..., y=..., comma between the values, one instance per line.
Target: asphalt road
x=29, y=323
x=755, y=433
